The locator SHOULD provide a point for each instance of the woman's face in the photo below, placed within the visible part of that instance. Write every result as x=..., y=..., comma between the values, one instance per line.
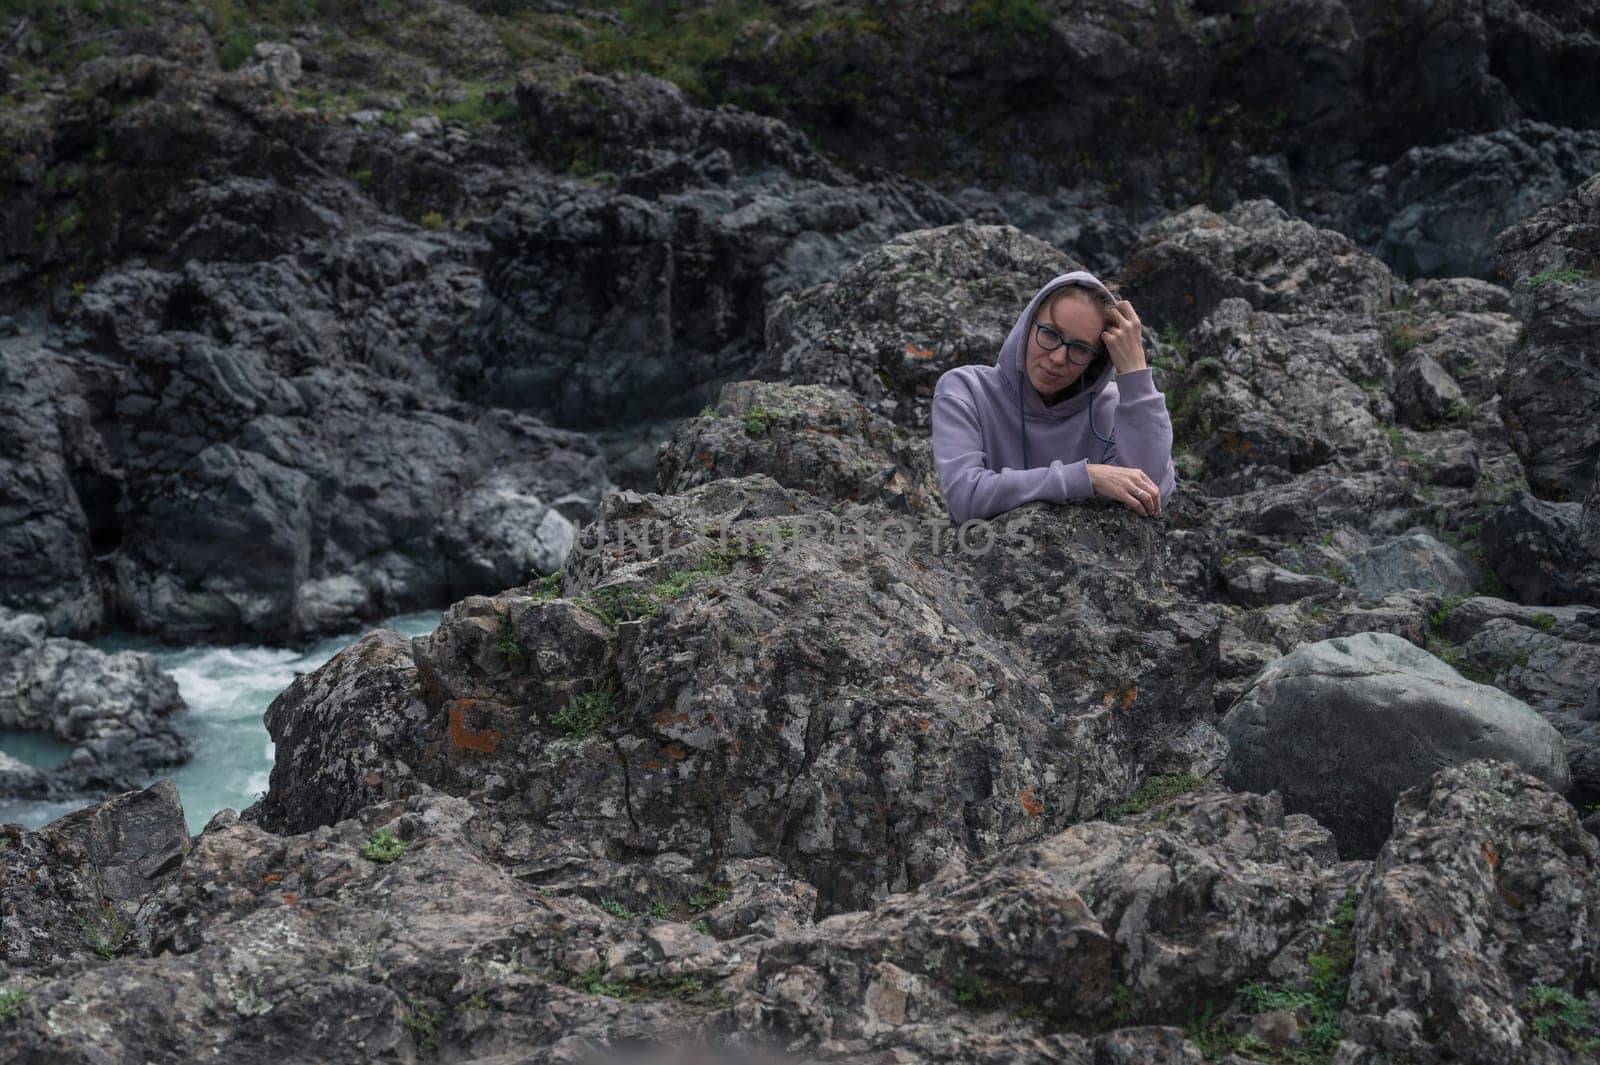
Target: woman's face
x=1074, y=318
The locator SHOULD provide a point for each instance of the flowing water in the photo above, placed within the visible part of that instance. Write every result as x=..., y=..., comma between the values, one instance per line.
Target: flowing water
x=227, y=689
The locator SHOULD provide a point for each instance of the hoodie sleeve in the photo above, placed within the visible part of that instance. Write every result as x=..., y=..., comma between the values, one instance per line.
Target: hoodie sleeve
x=971, y=489
x=1141, y=436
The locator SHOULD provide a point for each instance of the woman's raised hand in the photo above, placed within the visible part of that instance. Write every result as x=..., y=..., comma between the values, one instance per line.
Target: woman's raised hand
x=1124, y=337
x=1126, y=485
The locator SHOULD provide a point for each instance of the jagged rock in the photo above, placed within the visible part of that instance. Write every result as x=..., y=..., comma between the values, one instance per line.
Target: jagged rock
x=1188, y=263
x=1257, y=582
x=1435, y=211
x=1483, y=856
x=1549, y=657
x=1100, y=921
x=276, y=66
x=603, y=306
x=114, y=710
x=1342, y=726
x=1416, y=561
x=691, y=633
x=906, y=312
x=813, y=439
x=77, y=887
x=1552, y=385
x=1424, y=392
x=1534, y=547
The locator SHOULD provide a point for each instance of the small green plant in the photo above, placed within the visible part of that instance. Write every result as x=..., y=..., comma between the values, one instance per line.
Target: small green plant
x=1437, y=619
x=11, y=1002
x=363, y=177
x=432, y=220
x=508, y=640
x=106, y=935
x=1173, y=338
x=677, y=582
x=1566, y=276
x=476, y=1001
x=615, y=908
x=1404, y=337
x=613, y=605
x=235, y=47
x=1560, y=1017
x=687, y=987
x=758, y=421
x=708, y=897
x=703, y=927
x=1544, y=622
x=708, y=411
x=384, y=846
x=593, y=982
x=590, y=714
x=548, y=586
x=424, y=1025
x=659, y=910
x=1154, y=790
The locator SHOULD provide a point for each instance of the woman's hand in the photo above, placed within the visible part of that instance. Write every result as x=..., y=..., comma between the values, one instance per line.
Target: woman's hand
x=1126, y=485
x=1124, y=338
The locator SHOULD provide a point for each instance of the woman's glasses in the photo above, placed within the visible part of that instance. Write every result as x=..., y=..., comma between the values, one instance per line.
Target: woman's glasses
x=1078, y=353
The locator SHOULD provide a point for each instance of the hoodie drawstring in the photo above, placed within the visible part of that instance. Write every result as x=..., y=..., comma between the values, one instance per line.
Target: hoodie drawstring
x=1022, y=419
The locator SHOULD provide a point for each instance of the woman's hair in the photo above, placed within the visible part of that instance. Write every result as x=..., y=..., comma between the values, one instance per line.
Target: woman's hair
x=1097, y=366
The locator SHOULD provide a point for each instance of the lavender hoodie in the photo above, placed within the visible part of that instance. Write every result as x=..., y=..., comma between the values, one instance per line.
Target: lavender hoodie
x=980, y=435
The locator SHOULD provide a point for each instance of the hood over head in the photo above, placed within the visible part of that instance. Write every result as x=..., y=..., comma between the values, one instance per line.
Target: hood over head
x=1013, y=351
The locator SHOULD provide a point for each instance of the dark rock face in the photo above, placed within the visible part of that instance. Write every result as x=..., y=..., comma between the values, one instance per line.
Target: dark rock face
x=115, y=710
x=906, y=312
x=1552, y=385
x=1549, y=657
x=606, y=306
x=1481, y=854
x=1341, y=727
x=818, y=440
x=76, y=887
x=709, y=686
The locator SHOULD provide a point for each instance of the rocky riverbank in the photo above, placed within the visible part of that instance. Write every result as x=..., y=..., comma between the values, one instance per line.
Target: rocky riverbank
x=753, y=754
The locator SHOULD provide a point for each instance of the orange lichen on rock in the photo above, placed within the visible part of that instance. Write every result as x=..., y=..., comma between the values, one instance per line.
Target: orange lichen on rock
x=1030, y=806
x=483, y=741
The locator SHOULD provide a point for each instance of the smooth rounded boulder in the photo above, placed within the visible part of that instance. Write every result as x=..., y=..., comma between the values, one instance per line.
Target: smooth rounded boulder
x=1341, y=727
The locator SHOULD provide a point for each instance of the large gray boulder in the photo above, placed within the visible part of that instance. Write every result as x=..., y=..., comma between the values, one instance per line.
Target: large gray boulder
x=1341, y=727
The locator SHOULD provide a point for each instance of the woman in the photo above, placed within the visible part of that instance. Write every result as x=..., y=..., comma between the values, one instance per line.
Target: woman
x=1047, y=420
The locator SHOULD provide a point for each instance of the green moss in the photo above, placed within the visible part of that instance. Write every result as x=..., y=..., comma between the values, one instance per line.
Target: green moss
x=1544, y=622
x=1560, y=1017
x=508, y=641
x=1154, y=790
x=758, y=421
x=384, y=846
x=591, y=714
x=549, y=586
x=432, y=220
x=1565, y=276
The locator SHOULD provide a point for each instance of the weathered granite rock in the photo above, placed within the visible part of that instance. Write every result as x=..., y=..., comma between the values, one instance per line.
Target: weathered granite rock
x=1417, y=561
x=903, y=314
x=77, y=887
x=1549, y=657
x=114, y=710
x=1535, y=547
x=1552, y=385
x=1188, y=263
x=698, y=654
x=1253, y=581
x=1483, y=857
x=1424, y=392
x=1341, y=727
x=818, y=440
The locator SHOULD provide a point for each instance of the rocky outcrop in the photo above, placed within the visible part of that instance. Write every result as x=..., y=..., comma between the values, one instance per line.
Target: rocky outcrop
x=818, y=440
x=75, y=889
x=706, y=684
x=115, y=712
x=1552, y=385
x=1482, y=855
x=1341, y=727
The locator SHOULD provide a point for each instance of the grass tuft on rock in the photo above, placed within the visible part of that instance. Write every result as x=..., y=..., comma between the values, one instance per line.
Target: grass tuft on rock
x=384, y=846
